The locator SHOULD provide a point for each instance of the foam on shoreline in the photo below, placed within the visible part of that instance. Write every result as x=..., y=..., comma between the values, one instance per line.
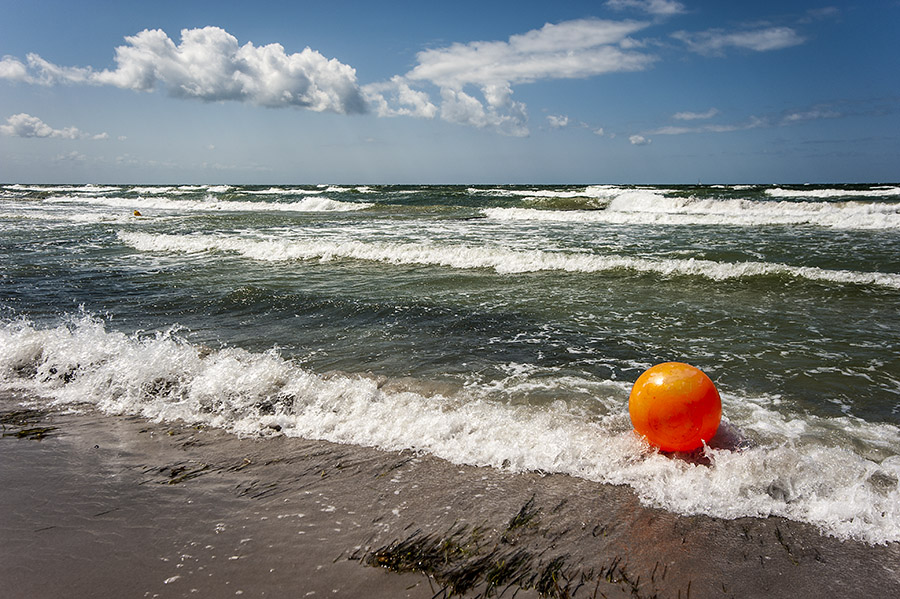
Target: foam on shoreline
x=839, y=474
x=175, y=508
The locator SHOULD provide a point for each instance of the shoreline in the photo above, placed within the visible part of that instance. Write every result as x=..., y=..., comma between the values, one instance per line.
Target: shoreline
x=101, y=505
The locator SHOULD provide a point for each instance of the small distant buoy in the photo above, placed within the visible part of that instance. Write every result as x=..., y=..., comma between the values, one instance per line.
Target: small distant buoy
x=137, y=213
x=675, y=406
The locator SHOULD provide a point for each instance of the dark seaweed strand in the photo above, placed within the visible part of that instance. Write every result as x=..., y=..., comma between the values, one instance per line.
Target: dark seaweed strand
x=462, y=563
x=24, y=424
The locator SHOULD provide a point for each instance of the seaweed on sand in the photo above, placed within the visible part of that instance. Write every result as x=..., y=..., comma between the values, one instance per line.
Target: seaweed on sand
x=24, y=424
x=482, y=563
x=455, y=560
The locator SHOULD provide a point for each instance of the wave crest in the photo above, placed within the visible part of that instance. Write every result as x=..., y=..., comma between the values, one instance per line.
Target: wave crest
x=501, y=260
x=213, y=204
x=644, y=207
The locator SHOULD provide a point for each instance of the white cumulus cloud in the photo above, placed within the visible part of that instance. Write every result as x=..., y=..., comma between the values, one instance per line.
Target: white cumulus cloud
x=210, y=65
x=572, y=49
x=499, y=112
x=475, y=80
x=639, y=140
x=397, y=98
x=13, y=69
x=557, y=121
x=25, y=125
x=714, y=42
x=468, y=83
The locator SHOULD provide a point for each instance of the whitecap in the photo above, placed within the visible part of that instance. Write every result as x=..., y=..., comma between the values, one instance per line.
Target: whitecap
x=211, y=203
x=654, y=208
x=874, y=192
x=499, y=259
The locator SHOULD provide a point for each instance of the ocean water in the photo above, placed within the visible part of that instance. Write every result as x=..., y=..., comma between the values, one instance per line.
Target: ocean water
x=498, y=326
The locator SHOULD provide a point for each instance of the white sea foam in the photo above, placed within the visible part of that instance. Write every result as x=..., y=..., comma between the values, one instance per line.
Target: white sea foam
x=795, y=467
x=89, y=188
x=59, y=219
x=654, y=208
x=218, y=188
x=301, y=191
x=873, y=192
x=283, y=191
x=501, y=260
x=153, y=189
x=165, y=190
x=212, y=204
x=602, y=192
x=339, y=189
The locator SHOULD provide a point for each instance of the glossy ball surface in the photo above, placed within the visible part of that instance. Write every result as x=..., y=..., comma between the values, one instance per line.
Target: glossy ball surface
x=675, y=406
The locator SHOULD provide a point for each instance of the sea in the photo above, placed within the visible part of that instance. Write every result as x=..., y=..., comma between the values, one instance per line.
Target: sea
x=500, y=326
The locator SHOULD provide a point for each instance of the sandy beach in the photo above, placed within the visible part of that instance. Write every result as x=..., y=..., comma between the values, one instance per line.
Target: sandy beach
x=108, y=506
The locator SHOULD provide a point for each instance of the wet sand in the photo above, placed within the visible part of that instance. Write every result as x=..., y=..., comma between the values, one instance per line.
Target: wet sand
x=107, y=506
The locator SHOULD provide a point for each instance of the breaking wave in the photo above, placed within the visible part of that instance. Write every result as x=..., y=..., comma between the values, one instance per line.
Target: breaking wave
x=501, y=260
x=655, y=208
x=212, y=204
x=798, y=467
x=883, y=191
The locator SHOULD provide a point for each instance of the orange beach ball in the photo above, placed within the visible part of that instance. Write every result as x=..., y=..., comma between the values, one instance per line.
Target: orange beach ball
x=675, y=406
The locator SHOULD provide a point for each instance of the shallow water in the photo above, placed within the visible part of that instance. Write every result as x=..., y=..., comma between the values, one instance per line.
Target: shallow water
x=494, y=326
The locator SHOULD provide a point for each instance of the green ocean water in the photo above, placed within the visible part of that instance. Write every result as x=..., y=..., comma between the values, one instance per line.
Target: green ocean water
x=494, y=325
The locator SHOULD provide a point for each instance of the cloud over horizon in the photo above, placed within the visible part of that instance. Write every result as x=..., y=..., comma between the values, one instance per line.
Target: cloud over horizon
x=25, y=125
x=465, y=83
x=474, y=81
x=209, y=65
x=568, y=50
x=787, y=118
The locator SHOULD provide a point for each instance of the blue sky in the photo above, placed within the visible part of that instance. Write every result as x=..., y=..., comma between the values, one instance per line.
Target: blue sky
x=617, y=91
